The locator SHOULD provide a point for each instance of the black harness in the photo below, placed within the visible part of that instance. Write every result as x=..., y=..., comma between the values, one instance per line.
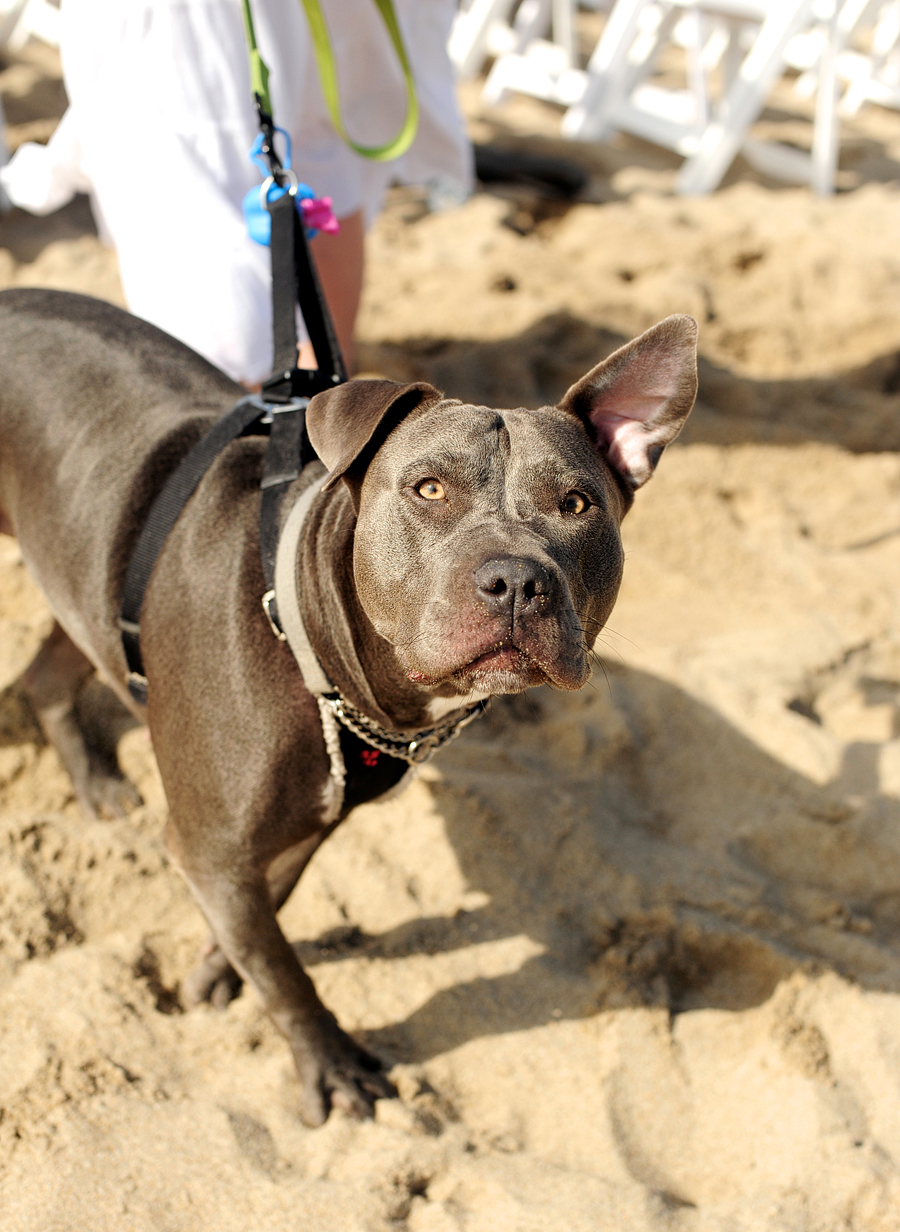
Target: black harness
x=374, y=760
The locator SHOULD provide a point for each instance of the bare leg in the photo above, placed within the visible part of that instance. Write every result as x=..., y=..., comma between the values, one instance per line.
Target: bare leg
x=340, y=260
x=52, y=681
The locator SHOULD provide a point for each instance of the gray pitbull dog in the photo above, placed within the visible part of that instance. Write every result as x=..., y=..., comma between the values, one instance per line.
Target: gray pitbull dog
x=454, y=552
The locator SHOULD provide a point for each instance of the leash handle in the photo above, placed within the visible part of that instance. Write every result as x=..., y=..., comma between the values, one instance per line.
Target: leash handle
x=259, y=79
x=328, y=77
x=294, y=276
x=295, y=280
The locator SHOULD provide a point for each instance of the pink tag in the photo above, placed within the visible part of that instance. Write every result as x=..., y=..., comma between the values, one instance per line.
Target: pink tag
x=317, y=214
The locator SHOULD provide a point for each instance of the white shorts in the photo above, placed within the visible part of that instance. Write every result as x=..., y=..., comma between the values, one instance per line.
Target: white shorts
x=160, y=122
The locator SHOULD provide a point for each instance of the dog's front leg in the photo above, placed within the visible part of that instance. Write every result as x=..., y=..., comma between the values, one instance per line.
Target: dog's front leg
x=214, y=979
x=334, y=1071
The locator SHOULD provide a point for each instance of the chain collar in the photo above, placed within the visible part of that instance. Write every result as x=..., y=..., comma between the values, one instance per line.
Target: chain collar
x=416, y=751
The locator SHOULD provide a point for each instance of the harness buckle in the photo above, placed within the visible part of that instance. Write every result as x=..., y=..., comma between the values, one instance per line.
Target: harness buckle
x=137, y=687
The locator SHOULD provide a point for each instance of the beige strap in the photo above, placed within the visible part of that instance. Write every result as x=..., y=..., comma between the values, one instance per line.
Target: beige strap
x=286, y=593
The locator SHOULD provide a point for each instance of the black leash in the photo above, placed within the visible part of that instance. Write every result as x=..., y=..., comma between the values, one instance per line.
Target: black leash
x=295, y=280
x=279, y=413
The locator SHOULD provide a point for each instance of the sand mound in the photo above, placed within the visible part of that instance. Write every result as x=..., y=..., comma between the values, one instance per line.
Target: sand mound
x=634, y=954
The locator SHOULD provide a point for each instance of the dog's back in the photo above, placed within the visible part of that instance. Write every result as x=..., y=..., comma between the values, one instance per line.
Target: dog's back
x=96, y=409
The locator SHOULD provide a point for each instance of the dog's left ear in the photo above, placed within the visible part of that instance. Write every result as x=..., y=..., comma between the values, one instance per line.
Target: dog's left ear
x=351, y=421
x=636, y=401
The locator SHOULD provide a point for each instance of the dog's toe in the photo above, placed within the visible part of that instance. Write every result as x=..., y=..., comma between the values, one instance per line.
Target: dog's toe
x=214, y=980
x=107, y=795
x=346, y=1077
x=357, y=1097
x=225, y=989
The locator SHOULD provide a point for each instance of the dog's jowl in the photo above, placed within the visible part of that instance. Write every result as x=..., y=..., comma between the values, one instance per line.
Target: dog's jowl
x=438, y=553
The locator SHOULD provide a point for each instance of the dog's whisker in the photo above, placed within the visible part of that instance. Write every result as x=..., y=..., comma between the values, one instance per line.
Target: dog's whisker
x=602, y=667
x=615, y=633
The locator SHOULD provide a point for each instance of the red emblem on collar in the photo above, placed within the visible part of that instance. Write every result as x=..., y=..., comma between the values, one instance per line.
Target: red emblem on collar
x=370, y=757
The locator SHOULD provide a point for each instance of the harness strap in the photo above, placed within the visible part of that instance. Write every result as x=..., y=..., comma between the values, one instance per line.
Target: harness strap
x=163, y=515
x=286, y=594
x=288, y=452
x=284, y=291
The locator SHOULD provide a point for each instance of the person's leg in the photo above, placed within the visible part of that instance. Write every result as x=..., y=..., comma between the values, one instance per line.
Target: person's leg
x=340, y=259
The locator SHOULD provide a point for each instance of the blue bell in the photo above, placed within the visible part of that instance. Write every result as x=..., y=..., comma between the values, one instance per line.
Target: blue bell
x=258, y=218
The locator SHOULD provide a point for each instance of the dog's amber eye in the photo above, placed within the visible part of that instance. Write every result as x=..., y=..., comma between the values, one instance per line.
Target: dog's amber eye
x=431, y=489
x=574, y=502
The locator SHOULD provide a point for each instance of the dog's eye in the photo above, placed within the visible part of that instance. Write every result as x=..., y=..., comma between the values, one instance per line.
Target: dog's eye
x=574, y=502
x=431, y=489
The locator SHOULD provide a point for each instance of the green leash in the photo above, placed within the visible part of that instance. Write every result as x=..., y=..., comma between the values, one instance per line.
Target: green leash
x=259, y=78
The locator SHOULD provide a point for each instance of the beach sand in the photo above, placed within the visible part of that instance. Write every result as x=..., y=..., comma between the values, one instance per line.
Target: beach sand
x=633, y=954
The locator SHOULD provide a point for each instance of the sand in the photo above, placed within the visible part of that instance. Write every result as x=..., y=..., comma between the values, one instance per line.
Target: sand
x=633, y=954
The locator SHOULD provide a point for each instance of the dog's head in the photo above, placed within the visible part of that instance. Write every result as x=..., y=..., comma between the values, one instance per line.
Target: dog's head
x=487, y=547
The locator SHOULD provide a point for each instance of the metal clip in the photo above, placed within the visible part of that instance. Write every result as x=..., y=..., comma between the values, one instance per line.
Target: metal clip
x=137, y=687
x=267, y=601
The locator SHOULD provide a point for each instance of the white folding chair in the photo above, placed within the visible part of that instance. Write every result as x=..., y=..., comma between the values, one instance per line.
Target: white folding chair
x=874, y=77
x=494, y=28
x=24, y=18
x=708, y=132
x=813, y=36
x=746, y=43
x=483, y=29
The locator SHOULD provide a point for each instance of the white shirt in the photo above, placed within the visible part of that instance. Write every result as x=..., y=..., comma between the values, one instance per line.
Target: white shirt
x=160, y=121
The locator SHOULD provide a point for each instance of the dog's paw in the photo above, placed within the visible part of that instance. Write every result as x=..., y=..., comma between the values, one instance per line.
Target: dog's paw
x=213, y=979
x=335, y=1072
x=106, y=794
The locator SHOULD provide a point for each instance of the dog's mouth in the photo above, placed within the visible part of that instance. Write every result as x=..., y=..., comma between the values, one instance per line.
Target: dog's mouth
x=503, y=668
x=499, y=659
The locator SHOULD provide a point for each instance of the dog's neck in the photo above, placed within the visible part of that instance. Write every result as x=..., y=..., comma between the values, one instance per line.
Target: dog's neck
x=351, y=652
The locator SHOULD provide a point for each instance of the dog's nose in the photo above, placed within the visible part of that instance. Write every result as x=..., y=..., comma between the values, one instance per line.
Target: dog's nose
x=512, y=583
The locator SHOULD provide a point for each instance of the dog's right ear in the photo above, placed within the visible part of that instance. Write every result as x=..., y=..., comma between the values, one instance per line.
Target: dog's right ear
x=635, y=403
x=348, y=424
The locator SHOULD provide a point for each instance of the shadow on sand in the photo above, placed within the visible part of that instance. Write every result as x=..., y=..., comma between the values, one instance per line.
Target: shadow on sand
x=656, y=854
x=858, y=410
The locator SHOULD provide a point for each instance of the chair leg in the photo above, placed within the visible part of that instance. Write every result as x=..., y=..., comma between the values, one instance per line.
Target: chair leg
x=586, y=121
x=467, y=45
x=827, y=127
